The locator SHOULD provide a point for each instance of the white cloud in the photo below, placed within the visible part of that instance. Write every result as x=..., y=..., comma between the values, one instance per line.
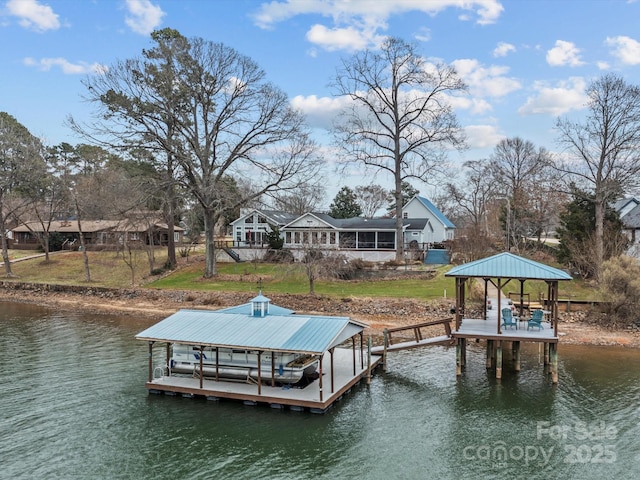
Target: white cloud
x=368, y=17
x=342, y=38
x=320, y=111
x=485, y=81
x=603, y=65
x=503, y=49
x=143, y=16
x=68, y=68
x=482, y=136
x=474, y=105
x=626, y=49
x=33, y=15
x=564, y=53
x=566, y=96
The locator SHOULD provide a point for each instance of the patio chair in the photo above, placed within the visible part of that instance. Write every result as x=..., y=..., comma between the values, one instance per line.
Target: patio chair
x=508, y=320
x=536, y=319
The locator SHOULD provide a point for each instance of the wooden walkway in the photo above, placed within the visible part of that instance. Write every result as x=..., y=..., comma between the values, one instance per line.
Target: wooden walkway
x=419, y=339
x=316, y=399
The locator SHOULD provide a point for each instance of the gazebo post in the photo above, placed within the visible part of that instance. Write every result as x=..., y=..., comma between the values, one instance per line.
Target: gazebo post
x=486, y=294
x=499, y=286
x=499, y=360
x=259, y=373
x=151, y=361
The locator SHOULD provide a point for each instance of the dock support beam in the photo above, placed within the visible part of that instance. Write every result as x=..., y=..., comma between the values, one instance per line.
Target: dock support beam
x=499, y=360
x=489, y=360
x=459, y=357
x=516, y=356
x=554, y=362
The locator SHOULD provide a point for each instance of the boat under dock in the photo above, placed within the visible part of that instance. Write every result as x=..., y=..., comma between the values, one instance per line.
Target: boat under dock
x=317, y=396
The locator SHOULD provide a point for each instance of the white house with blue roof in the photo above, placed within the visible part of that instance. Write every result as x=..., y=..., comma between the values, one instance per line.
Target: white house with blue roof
x=438, y=229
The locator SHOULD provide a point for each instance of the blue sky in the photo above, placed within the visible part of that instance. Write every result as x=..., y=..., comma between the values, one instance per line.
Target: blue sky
x=526, y=62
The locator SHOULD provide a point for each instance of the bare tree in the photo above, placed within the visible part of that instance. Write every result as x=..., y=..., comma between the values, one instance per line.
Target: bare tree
x=473, y=197
x=21, y=164
x=212, y=110
x=304, y=199
x=399, y=120
x=603, y=149
x=517, y=165
x=371, y=199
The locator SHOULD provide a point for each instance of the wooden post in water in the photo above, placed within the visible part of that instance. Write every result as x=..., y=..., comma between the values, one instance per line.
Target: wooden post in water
x=464, y=353
x=489, y=353
x=546, y=354
x=384, y=352
x=516, y=351
x=459, y=357
x=369, y=360
x=499, y=360
x=554, y=362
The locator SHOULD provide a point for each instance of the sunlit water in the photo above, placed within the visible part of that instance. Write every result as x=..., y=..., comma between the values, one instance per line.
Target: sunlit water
x=73, y=405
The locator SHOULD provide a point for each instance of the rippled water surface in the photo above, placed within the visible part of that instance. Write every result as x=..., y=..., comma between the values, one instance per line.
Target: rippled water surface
x=73, y=405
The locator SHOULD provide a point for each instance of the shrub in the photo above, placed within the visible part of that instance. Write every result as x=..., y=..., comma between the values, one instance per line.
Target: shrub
x=278, y=256
x=620, y=289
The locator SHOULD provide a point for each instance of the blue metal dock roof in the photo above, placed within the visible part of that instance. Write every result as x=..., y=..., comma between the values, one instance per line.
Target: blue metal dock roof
x=508, y=265
x=286, y=333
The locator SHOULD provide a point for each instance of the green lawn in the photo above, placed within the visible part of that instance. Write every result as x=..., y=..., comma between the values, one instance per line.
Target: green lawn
x=109, y=270
x=291, y=279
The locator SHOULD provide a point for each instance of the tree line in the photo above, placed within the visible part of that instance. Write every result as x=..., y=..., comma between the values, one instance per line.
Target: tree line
x=194, y=128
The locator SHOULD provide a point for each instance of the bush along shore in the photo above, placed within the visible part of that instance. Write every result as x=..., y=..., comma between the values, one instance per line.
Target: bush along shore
x=580, y=327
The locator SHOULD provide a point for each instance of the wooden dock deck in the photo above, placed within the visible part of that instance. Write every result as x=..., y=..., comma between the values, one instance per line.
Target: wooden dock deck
x=311, y=397
x=488, y=330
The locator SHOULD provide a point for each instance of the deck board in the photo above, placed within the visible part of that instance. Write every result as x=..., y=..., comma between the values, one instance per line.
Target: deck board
x=488, y=329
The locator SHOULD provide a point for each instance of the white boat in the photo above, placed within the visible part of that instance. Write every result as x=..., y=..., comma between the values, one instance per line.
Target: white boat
x=284, y=368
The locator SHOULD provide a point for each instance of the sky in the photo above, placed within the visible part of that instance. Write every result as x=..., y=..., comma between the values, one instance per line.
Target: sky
x=525, y=62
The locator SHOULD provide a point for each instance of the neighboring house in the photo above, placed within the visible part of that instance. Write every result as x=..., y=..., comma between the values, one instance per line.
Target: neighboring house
x=98, y=234
x=438, y=229
x=629, y=211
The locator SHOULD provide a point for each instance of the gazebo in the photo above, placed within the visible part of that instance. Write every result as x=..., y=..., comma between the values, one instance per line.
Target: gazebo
x=500, y=270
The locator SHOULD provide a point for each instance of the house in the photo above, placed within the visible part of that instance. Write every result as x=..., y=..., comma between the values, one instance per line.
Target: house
x=629, y=211
x=252, y=226
x=372, y=239
x=438, y=229
x=98, y=234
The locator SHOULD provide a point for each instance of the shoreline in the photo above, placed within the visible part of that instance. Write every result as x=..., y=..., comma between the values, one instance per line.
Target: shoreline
x=378, y=313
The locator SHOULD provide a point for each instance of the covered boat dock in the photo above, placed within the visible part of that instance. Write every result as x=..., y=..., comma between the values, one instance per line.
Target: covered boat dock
x=262, y=329
x=497, y=272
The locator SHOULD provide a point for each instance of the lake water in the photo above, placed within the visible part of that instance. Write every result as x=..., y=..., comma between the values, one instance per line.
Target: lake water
x=73, y=405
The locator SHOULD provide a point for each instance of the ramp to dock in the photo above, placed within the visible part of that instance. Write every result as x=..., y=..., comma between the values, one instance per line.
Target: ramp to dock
x=419, y=339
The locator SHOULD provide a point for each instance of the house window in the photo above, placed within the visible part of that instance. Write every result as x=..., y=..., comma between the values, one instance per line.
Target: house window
x=332, y=238
x=287, y=237
x=297, y=237
x=134, y=236
x=262, y=219
x=405, y=214
x=387, y=240
x=176, y=236
x=323, y=238
x=249, y=219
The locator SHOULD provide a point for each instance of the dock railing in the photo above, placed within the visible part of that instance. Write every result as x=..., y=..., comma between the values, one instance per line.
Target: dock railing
x=419, y=338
